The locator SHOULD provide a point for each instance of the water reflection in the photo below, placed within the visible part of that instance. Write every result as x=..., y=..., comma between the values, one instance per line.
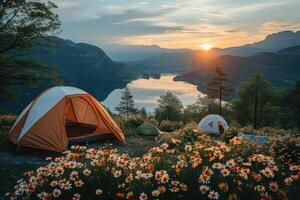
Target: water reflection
x=146, y=92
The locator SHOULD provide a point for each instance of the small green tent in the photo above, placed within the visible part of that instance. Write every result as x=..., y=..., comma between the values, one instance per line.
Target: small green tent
x=147, y=129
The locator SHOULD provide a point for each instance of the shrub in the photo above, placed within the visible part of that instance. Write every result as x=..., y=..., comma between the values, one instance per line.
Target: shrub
x=169, y=126
x=131, y=124
x=7, y=120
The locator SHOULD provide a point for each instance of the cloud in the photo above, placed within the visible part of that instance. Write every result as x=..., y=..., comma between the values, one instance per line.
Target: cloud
x=175, y=23
x=272, y=26
x=257, y=6
x=112, y=27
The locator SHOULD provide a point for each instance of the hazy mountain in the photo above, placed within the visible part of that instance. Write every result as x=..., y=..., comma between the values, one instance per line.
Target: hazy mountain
x=80, y=61
x=82, y=65
x=282, y=68
x=271, y=43
x=176, y=59
x=138, y=52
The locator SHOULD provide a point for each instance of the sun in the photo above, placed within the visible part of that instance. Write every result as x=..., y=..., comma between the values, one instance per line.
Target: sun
x=206, y=46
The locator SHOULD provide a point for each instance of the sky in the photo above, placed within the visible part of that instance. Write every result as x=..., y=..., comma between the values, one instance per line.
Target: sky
x=176, y=23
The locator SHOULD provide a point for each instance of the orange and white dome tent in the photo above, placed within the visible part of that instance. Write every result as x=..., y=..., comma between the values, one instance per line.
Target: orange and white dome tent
x=60, y=114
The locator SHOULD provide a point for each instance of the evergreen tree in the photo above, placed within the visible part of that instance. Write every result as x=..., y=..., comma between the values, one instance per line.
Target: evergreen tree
x=126, y=106
x=22, y=24
x=256, y=102
x=143, y=112
x=218, y=87
x=170, y=108
x=291, y=104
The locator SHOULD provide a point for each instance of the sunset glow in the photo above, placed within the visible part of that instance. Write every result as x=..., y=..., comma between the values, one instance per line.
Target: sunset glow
x=206, y=46
x=175, y=23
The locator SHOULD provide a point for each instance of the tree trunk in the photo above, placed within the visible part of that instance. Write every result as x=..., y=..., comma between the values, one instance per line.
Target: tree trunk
x=260, y=115
x=220, y=99
x=127, y=111
x=255, y=106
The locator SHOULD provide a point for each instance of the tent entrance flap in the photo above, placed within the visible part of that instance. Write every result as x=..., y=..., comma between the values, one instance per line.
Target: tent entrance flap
x=75, y=129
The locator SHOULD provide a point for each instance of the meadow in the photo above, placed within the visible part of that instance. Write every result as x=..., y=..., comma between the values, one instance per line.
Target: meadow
x=183, y=164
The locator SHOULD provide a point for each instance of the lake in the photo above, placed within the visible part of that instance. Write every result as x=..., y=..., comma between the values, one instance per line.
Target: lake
x=146, y=92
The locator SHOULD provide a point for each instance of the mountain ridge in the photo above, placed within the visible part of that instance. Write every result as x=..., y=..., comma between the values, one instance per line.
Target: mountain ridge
x=79, y=64
x=282, y=68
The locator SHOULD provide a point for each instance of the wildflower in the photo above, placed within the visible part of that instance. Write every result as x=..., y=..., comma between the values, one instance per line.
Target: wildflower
x=73, y=175
x=259, y=188
x=129, y=178
x=164, y=146
x=230, y=163
x=121, y=163
x=44, y=195
x=66, y=186
x=256, y=177
x=175, y=183
x=132, y=165
x=162, y=176
x=244, y=173
x=205, y=176
x=129, y=195
x=183, y=187
x=117, y=173
x=122, y=185
x=175, y=141
x=78, y=183
x=267, y=172
x=188, y=148
x=174, y=189
x=288, y=181
x=86, y=172
x=143, y=196
x=98, y=192
x=213, y=195
x=223, y=186
x=147, y=175
x=76, y=196
x=155, y=193
x=273, y=186
x=203, y=189
x=217, y=165
x=59, y=171
x=138, y=174
x=236, y=140
x=196, y=161
x=161, y=189
x=53, y=183
x=225, y=172
x=56, y=193
x=165, y=178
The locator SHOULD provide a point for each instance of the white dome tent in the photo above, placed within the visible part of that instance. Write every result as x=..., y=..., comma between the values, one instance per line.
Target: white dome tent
x=212, y=123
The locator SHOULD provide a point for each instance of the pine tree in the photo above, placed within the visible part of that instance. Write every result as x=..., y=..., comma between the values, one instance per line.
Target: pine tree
x=143, y=112
x=256, y=102
x=218, y=87
x=126, y=106
x=291, y=103
x=170, y=108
